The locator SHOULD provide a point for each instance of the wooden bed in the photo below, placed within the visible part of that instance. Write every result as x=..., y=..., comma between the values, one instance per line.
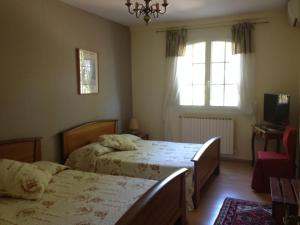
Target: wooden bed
x=168, y=194
x=206, y=161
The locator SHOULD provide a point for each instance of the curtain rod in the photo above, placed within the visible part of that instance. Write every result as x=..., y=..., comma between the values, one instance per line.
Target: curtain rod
x=207, y=26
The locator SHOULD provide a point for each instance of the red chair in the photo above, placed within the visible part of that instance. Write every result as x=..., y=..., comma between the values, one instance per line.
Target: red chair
x=272, y=164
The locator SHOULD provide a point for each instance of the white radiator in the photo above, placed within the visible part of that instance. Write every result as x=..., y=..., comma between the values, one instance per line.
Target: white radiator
x=200, y=129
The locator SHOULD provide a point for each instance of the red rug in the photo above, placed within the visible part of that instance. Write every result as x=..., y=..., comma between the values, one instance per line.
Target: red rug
x=241, y=212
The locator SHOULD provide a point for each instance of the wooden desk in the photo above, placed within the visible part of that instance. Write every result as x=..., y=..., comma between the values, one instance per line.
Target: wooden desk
x=267, y=134
x=285, y=195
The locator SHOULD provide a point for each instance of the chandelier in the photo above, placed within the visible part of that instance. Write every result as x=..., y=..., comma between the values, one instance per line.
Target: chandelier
x=147, y=10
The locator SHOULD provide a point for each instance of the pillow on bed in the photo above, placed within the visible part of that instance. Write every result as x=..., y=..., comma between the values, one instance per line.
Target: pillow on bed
x=85, y=158
x=22, y=180
x=51, y=167
x=132, y=137
x=118, y=141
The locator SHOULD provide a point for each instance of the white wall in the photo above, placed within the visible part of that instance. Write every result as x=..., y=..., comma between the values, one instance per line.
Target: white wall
x=277, y=54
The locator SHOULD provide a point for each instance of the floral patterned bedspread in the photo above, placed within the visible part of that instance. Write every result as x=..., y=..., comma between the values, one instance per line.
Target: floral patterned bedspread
x=76, y=198
x=153, y=160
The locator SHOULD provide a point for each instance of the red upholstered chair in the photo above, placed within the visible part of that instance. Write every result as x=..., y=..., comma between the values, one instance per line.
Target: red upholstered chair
x=272, y=164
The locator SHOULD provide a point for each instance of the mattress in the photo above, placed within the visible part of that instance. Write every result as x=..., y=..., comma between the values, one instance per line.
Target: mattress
x=77, y=198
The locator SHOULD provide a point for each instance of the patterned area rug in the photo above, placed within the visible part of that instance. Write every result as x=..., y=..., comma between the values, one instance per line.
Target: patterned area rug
x=242, y=212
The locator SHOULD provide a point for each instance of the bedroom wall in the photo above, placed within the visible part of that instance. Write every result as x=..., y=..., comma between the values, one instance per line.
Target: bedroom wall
x=38, y=87
x=277, y=53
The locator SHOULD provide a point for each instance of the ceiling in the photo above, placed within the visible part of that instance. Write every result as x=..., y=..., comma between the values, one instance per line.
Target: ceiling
x=178, y=10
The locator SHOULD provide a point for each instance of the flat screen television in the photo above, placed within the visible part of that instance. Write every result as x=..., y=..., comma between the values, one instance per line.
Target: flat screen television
x=277, y=109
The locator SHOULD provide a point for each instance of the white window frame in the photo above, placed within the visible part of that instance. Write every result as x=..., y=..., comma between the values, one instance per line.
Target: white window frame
x=208, y=57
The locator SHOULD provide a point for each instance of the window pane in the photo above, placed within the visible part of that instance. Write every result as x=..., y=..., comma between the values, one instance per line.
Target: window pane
x=218, y=51
x=231, y=95
x=216, y=95
x=186, y=95
x=188, y=53
x=199, y=52
x=191, y=73
x=231, y=74
x=198, y=94
x=217, y=73
x=184, y=71
x=229, y=56
x=224, y=75
x=199, y=74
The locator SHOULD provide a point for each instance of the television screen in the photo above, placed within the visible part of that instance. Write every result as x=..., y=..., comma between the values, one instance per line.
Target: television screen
x=277, y=109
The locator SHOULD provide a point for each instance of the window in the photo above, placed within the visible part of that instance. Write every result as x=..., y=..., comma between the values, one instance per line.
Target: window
x=209, y=75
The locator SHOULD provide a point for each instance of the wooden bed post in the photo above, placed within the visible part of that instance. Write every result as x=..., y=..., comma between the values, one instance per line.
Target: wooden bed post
x=182, y=219
x=206, y=163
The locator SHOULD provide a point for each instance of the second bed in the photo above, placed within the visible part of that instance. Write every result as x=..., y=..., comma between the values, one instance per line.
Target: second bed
x=152, y=160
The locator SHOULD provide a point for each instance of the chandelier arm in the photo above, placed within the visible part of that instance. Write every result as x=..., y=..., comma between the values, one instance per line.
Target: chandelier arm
x=136, y=10
x=163, y=12
x=155, y=10
x=153, y=6
x=130, y=11
x=129, y=4
x=165, y=5
x=154, y=14
x=137, y=14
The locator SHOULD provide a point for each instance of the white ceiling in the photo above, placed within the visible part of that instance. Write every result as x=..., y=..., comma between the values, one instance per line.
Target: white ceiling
x=178, y=10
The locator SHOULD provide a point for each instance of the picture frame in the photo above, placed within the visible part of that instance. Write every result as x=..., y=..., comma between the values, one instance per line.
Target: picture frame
x=88, y=72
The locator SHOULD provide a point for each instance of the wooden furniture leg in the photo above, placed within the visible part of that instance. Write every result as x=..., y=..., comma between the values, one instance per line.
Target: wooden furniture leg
x=253, y=147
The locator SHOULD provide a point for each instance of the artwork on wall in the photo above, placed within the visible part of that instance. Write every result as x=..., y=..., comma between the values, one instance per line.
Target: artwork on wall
x=88, y=77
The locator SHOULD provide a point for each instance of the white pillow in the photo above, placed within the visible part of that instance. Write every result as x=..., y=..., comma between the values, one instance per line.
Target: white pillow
x=22, y=180
x=118, y=141
x=51, y=167
x=132, y=137
x=85, y=158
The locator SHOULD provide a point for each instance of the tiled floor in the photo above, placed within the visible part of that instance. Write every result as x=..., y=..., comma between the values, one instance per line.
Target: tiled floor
x=233, y=181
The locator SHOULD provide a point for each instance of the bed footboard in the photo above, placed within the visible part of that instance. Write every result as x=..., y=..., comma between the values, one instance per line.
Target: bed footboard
x=206, y=163
x=163, y=204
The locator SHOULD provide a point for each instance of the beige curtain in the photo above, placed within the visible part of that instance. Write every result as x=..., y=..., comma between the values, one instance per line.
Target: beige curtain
x=242, y=44
x=175, y=47
x=176, y=42
x=242, y=38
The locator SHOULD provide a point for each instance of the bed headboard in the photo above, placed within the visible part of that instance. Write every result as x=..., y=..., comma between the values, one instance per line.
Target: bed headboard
x=24, y=150
x=86, y=133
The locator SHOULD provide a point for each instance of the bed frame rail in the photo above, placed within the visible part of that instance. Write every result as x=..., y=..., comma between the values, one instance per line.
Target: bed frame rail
x=163, y=204
x=206, y=163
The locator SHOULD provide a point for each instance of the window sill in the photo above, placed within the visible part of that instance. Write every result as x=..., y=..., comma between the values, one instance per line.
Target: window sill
x=209, y=109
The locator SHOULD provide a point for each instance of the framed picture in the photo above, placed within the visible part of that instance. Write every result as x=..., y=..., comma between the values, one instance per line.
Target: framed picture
x=88, y=77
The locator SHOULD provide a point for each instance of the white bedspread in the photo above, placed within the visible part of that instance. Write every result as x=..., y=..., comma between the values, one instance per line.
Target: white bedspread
x=153, y=160
x=77, y=198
